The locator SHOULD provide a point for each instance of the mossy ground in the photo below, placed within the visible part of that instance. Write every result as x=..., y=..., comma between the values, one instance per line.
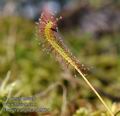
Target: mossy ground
x=38, y=72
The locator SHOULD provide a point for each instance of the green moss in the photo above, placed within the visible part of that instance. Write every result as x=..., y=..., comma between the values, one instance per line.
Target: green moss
x=36, y=71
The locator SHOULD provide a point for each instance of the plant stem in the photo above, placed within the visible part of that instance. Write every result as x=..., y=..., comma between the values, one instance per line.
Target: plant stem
x=94, y=90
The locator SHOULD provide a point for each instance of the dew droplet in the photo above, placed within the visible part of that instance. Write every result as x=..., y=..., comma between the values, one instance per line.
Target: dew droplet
x=57, y=19
x=52, y=17
x=36, y=23
x=82, y=65
x=60, y=17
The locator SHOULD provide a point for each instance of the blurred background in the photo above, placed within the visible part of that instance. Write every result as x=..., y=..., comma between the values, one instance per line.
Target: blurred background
x=91, y=30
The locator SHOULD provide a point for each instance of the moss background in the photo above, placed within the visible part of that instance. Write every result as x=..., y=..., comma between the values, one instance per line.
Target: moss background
x=27, y=70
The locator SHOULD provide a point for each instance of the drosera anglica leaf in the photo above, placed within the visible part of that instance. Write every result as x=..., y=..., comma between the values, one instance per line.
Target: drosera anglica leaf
x=54, y=43
x=48, y=31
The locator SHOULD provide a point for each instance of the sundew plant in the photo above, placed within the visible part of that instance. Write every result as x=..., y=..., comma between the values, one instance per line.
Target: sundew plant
x=48, y=32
